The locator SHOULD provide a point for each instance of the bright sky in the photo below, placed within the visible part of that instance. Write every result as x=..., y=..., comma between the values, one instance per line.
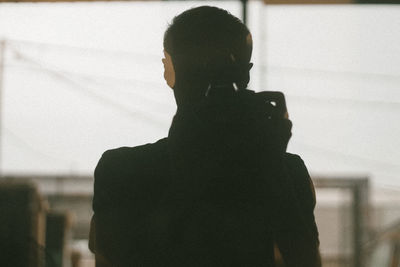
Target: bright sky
x=81, y=78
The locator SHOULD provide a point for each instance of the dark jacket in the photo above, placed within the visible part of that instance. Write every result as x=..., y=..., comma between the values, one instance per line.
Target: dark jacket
x=211, y=194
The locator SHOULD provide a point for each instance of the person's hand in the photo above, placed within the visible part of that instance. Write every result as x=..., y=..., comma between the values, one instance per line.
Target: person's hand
x=285, y=131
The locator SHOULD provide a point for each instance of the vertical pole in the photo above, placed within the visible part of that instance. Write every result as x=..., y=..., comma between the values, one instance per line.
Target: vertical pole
x=357, y=227
x=263, y=84
x=360, y=220
x=2, y=59
x=244, y=11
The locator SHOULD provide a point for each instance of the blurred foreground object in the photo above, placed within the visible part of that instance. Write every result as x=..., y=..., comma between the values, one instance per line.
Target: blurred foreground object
x=57, y=226
x=22, y=225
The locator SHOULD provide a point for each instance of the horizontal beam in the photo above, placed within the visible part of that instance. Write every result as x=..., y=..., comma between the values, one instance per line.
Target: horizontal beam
x=268, y=2
x=59, y=1
x=330, y=2
x=302, y=2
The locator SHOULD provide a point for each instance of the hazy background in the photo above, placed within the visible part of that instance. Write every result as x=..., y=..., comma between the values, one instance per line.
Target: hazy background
x=80, y=78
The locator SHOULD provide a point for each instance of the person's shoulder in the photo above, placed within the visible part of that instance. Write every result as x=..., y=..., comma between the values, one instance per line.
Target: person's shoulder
x=125, y=153
x=301, y=179
x=293, y=159
x=145, y=148
x=296, y=167
x=122, y=172
x=124, y=160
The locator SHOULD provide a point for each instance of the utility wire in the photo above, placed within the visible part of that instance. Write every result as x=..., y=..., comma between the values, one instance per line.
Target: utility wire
x=98, y=98
x=297, y=98
x=115, y=53
x=313, y=99
x=157, y=107
x=332, y=73
x=345, y=101
x=94, y=77
x=346, y=157
x=137, y=93
x=27, y=146
x=154, y=57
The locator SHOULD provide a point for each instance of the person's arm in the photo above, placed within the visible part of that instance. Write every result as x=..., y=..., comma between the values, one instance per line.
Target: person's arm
x=297, y=233
x=103, y=230
x=101, y=260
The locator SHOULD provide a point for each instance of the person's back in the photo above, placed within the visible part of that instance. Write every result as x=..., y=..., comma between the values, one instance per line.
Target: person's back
x=220, y=190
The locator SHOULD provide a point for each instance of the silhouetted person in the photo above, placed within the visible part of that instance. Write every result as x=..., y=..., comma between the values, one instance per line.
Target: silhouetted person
x=220, y=190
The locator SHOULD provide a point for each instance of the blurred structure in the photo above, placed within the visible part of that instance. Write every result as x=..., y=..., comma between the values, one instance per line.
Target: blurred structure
x=57, y=226
x=22, y=225
x=349, y=237
x=359, y=213
x=383, y=249
x=36, y=219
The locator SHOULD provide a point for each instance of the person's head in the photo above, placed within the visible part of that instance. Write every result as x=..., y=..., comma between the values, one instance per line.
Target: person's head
x=206, y=46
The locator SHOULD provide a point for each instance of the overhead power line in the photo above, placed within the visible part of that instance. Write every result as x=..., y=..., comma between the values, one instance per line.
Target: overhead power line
x=134, y=82
x=94, y=79
x=349, y=157
x=333, y=73
x=109, y=52
x=155, y=57
x=345, y=101
x=27, y=146
x=97, y=97
x=310, y=99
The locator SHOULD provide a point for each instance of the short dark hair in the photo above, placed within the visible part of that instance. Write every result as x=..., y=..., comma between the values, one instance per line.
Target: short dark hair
x=208, y=44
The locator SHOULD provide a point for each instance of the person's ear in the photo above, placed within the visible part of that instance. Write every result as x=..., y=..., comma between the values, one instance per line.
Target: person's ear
x=250, y=66
x=169, y=71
